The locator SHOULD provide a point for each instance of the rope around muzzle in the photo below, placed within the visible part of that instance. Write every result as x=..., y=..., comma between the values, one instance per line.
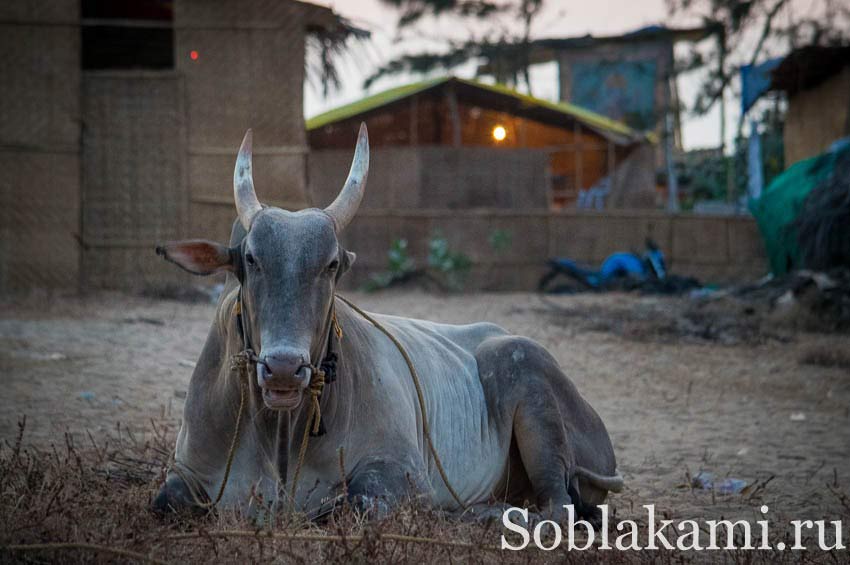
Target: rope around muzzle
x=240, y=362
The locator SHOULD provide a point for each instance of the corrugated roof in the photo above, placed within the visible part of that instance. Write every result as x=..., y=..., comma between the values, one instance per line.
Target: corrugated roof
x=603, y=125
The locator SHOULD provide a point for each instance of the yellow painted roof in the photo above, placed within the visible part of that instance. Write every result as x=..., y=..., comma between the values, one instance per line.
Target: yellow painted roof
x=596, y=121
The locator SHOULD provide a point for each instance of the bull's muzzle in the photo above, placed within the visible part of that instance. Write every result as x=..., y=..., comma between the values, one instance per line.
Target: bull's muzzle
x=283, y=374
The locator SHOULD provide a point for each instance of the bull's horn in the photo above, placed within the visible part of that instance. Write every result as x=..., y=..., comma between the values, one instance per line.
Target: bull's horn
x=247, y=204
x=342, y=209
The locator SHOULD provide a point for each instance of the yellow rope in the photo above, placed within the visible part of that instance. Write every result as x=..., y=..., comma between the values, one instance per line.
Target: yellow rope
x=239, y=362
x=418, y=386
x=314, y=416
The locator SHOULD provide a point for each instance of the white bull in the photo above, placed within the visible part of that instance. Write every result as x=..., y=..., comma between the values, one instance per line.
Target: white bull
x=508, y=425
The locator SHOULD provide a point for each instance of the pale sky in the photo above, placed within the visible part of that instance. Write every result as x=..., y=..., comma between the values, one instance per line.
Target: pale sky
x=561, y=18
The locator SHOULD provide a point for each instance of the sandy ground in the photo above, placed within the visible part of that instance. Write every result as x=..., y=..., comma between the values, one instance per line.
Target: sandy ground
x=674, y=404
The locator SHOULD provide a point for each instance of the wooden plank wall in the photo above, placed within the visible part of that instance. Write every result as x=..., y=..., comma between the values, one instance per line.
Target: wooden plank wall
x=579, y=157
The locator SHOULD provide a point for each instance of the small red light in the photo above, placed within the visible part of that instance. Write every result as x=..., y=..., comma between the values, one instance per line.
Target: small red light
x=193, y=55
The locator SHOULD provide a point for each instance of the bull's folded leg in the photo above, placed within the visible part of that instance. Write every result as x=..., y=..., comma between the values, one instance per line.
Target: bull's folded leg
x=545, y=453
x=176, y=496
x=377, y=486
x=486, y=513
x=585, y=510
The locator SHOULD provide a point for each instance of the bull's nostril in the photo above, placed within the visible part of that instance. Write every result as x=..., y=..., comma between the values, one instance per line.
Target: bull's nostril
x=281, y=364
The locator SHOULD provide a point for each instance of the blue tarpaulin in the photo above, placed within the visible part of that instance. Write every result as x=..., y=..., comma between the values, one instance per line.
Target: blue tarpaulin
x=755, y=80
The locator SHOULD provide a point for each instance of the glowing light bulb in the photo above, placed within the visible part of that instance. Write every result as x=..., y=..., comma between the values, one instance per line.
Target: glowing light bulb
x=193, y=55
x=499, y=133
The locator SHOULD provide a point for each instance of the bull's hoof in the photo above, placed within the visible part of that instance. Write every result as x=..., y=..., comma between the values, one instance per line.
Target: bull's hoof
x=373, y=508
x=175, y=497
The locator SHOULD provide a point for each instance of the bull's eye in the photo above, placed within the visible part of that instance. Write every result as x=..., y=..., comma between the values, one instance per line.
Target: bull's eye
x=250, y=260
x=333, y=266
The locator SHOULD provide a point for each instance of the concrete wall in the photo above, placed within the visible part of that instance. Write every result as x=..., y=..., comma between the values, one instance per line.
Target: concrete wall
x=714, y=249
x=817, y=117
x=39, y=144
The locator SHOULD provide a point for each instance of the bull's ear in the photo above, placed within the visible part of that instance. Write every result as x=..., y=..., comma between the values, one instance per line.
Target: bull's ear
x=198, y=256
x=346, y=260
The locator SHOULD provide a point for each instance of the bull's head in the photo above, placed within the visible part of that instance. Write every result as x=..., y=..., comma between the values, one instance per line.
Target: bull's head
x=288, y=265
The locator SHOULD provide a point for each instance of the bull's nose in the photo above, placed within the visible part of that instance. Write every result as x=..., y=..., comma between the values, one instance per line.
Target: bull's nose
x=279, y=364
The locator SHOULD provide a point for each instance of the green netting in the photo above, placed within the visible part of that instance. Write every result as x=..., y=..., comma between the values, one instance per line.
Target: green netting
x=780, y=203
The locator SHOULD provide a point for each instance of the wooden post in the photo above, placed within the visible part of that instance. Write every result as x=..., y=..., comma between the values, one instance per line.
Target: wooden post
x=578, y=155
x=671, y=134
x=454, y=115
x=414, y=120
x=721, y=63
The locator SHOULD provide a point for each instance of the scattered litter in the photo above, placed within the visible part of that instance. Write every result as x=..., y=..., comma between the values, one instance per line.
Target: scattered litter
x=804, y=299
x=186, y=363
x=705, y=481
x=666, y=321
x=86, y=395
x=786, y=299
x=704, y=292
x=798, y=417
x=743, y=451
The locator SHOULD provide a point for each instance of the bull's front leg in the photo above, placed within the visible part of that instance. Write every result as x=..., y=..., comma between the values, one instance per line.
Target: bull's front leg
x=378, y=484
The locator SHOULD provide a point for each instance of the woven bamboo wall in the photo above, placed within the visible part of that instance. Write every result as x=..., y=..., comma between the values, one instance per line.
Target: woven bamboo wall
x=438, y=177
x=249, y=74
x=134, y=192
x=156, y=157
x=714, y=249
x=817, y=117
x=39, y=144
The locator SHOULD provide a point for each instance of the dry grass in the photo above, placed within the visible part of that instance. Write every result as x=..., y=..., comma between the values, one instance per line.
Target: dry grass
x=682, y=386
x=84, y=504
